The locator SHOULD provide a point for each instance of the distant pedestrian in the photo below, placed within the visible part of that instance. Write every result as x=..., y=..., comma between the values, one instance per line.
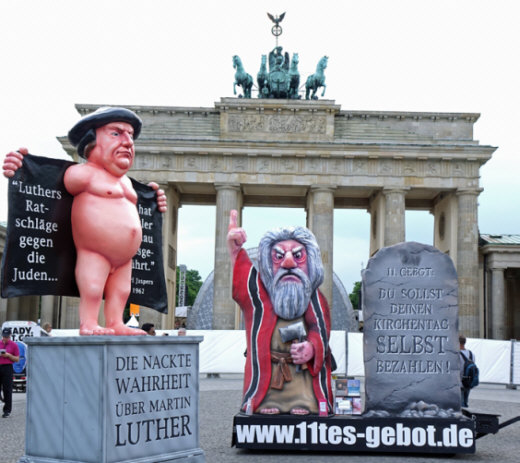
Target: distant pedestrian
x=465, y=355
x=149, y=328
x=181, y=331
x=9, y=354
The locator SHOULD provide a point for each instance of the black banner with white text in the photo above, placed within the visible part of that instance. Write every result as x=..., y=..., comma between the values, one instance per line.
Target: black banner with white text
x=39, y=256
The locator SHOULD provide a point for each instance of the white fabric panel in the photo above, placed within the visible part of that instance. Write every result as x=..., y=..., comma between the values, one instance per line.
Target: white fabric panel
x=62, y=333
x=337, y=347
x=493, y=359
x=356, y=367
x=516, y=362
x=222, y=351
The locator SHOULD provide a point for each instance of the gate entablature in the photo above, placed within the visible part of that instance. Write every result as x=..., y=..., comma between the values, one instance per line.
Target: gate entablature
x=312, y=128
x=301, y=143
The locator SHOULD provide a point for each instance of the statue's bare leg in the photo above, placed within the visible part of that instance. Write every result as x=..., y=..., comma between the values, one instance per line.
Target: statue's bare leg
x=92, y=271
x=117, y=290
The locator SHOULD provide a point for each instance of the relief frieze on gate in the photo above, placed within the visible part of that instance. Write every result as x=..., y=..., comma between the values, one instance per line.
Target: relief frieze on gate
x=347, y=165
x=277, y=120
x=277, y=123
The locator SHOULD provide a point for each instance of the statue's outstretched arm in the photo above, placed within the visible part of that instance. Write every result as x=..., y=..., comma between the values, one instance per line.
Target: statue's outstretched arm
x=236, y=236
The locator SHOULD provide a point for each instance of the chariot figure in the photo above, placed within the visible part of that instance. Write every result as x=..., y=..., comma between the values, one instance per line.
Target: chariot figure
x=278, y=60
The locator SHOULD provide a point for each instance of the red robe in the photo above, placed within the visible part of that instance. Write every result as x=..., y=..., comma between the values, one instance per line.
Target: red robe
x=260, y=320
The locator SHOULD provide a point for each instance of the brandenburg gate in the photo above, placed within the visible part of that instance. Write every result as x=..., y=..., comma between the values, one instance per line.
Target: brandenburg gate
x=315, y=155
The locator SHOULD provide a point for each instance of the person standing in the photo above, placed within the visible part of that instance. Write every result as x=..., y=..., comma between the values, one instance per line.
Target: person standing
x=465, y=354
x=9, y=354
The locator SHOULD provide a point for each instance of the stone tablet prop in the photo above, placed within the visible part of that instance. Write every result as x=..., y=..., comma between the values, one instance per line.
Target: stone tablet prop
x=411, y=349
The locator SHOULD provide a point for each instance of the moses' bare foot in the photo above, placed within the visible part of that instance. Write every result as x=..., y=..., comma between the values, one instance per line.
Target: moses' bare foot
x=93, y=329
x=122, y=330
x=299, y=411
x=270, y=411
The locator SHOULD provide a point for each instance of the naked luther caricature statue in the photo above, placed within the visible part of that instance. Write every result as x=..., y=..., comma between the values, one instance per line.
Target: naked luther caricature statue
x=287, y=320
x=105, y=222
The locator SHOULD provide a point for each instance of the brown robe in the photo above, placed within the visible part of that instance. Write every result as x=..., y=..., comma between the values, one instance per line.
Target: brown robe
x=297, y=393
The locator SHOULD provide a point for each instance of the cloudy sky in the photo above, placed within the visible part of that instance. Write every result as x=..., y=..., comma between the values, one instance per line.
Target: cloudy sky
x=445, y=56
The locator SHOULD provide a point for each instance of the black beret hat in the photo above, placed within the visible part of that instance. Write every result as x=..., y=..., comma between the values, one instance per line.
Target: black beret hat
x=84, y=131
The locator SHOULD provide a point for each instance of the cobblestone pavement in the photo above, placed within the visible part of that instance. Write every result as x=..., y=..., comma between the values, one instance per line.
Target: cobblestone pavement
x=220, y=401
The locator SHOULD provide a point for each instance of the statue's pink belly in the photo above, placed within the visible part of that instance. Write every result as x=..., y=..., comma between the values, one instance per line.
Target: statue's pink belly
x=107, y=226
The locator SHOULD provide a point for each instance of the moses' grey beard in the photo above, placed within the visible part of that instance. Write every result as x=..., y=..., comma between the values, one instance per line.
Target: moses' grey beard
x=290, y=298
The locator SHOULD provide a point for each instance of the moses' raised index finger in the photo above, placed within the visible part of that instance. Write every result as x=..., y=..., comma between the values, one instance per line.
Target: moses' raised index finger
x=232, y=219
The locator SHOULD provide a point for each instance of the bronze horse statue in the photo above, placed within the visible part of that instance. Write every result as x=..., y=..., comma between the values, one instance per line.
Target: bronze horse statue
x=262, y=78
x=242, y=78
x=294, y=77
x=316, y=80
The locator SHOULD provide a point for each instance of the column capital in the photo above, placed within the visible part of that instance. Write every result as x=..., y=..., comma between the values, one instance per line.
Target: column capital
x=227, y=186
x=497, y=268
x=469, y=191
x=168, y=187
x=398, y=189
x=318, y=187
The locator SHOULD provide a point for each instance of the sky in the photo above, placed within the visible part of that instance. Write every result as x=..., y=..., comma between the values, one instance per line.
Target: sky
x=387, y=55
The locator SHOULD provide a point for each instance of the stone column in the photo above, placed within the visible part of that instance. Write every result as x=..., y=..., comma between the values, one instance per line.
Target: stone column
x=47, y=311
x=147, y=315
x=512, y=291
x=28, y=308
x=320, y=220
x=376, y=209
x=467, y=262
x=170, y=226
x=70, y=313
x=12, y=312
x=394, y=215
x=3, y=310
x=224, y=308
x=498, y=304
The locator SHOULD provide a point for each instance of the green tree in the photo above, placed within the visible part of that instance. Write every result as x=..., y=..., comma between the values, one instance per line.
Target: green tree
x=355, y=296
x=193, y=284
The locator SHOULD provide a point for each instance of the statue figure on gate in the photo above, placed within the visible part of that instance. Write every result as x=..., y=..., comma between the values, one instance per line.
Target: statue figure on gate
x=105, y=223
x=278, y=61
x=294, y=78
x=287, y=319
x=242, y=78
x=316, y=80
x=282, y=80
x=262, y=79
